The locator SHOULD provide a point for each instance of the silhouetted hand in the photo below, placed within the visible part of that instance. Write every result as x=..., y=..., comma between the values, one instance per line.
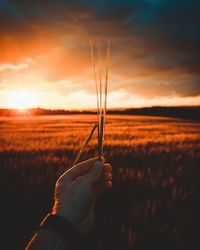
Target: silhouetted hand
x=77, y=190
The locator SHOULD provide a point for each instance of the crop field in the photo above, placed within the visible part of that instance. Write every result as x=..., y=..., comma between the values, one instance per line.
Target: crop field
x=153, y=203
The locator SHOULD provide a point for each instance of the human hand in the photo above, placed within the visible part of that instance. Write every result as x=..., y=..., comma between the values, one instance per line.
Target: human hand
x=77, y=189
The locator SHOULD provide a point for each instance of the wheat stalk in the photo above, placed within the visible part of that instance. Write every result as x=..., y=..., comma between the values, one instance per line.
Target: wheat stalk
x=100, y=64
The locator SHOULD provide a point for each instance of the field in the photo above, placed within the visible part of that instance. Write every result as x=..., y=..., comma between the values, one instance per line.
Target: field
x=153, y=203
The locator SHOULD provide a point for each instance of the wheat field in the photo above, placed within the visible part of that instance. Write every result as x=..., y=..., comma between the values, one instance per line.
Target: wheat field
x=153, y=203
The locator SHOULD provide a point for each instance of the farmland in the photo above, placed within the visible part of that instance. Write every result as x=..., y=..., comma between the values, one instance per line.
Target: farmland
x=153, y=201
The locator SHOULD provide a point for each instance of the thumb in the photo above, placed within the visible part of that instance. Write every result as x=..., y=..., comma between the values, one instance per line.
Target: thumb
x=95, y=172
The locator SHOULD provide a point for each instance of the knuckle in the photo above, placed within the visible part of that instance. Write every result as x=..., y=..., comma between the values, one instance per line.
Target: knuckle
x=107, y=167
x=109, y=177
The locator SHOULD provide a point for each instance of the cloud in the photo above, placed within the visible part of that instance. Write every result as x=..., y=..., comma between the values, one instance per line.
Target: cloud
x=155, y=49
x=15, y=67
x=125, y=99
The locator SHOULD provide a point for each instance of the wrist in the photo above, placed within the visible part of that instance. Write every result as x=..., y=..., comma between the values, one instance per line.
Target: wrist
x=65, y=215
x=64, y=229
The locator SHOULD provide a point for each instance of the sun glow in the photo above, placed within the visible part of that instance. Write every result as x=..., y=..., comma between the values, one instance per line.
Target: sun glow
x=22, y=100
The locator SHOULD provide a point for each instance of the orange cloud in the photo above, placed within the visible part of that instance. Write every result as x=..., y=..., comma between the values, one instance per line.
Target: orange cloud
x=153, y=56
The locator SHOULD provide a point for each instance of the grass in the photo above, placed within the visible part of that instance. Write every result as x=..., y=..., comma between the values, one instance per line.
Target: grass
x=153, y=202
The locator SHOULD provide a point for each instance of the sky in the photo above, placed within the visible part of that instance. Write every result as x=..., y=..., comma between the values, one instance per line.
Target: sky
x=45, y=56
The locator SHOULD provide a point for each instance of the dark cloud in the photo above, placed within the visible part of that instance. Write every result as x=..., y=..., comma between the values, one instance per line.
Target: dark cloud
x=153, y=40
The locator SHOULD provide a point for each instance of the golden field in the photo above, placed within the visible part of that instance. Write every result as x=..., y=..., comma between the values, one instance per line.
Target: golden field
x=153, y=202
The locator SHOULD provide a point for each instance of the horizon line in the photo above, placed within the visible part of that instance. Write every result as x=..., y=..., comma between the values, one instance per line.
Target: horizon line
x=94, y=109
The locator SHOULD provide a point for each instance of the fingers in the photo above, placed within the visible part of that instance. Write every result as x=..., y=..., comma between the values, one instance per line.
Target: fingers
x=107, y=168
x=107, y=175
x=92, y=170
x=78, y=170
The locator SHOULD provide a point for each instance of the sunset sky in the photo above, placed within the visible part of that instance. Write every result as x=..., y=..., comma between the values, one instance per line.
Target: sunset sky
x=45, y=56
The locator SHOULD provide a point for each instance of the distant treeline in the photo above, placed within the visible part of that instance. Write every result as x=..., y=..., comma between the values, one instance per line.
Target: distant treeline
x=192, y=113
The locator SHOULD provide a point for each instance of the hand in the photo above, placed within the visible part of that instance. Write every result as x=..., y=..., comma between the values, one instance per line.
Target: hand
x=77, y=189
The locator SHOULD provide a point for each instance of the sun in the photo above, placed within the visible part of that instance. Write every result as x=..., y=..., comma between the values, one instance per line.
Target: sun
x=22, y=100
